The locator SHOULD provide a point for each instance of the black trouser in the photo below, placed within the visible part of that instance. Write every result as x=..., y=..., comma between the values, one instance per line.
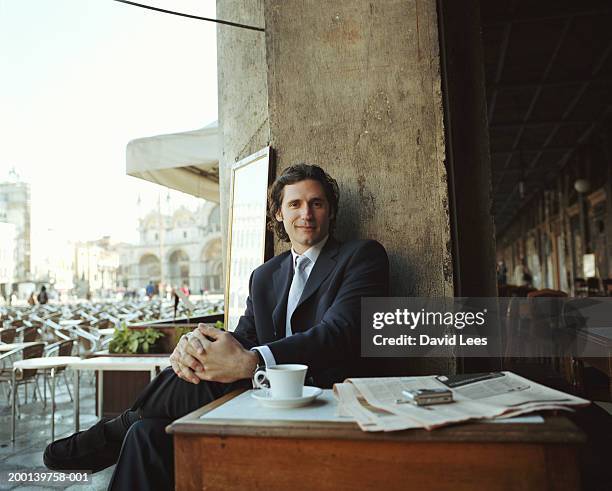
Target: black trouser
x=146, y=459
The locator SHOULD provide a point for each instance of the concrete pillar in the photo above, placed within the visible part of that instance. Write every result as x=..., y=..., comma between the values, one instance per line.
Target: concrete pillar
x=355, y=87
x=243, y=91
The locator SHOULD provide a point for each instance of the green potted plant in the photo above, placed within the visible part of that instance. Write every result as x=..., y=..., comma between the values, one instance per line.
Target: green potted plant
x=181, y=330
x=131, y=341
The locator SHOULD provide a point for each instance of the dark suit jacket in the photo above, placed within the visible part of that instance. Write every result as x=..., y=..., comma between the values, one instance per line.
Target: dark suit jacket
x=326, y=323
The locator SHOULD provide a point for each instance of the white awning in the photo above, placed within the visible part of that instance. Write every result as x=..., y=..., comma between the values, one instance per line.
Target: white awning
x=187, y=162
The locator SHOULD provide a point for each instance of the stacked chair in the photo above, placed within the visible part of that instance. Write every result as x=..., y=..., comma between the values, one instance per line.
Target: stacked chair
x=538, y=329
x=63, y=330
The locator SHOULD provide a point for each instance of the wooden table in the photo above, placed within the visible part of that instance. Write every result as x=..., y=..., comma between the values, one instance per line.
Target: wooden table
x=102, y=364
x=326, y=455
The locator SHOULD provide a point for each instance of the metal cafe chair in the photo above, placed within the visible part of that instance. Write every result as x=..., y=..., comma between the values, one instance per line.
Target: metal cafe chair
x=28, y=333
x=573, y=319
x=580, y=287
x=6, y=368
x=545, y=307
x=61, y=348
x=593, y=287
x=51, y=363
x=527, y=330
x=7, y=335
x=17, y=323
x=88, y=343
x=607, y=286
x=55, y=332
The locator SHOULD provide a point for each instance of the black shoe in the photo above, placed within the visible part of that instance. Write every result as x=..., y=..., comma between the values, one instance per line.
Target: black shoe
x=86, y=450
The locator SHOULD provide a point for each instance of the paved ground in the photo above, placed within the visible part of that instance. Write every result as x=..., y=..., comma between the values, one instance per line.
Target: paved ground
x=34, y=433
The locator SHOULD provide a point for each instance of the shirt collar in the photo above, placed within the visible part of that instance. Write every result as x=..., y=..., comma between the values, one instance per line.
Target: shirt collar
x=312, y=252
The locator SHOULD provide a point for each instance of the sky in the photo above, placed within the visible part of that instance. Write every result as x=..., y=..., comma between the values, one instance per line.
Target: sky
x=78, y=80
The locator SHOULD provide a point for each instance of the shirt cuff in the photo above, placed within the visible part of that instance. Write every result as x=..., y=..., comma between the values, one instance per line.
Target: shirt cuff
x=266, y=354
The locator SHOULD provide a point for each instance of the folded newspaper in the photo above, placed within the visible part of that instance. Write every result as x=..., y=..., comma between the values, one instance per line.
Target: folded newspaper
x=377, y=404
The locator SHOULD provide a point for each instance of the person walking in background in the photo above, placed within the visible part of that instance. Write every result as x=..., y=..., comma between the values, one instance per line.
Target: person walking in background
x=502, y=273
x=31, y=299
x=527, y=278
x=175, y=301
x=150, y=291
x=43, y=298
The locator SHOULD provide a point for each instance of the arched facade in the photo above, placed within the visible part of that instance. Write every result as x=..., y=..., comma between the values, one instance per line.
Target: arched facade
x=149, y=269
x=214, y=218
x=178, y=268
x=212, y=266
x=180, y=248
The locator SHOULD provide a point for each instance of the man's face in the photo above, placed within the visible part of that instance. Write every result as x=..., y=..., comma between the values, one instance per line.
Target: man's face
x=304, y=213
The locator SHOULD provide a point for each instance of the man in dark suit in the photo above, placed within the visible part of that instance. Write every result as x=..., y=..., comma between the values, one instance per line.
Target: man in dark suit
x=303, y=307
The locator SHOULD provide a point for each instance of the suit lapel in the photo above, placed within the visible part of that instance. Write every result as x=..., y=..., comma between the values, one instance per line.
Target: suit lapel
x=281, y=282
x=323, y=267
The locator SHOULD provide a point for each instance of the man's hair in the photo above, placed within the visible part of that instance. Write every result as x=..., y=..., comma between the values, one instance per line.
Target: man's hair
x=291, y=175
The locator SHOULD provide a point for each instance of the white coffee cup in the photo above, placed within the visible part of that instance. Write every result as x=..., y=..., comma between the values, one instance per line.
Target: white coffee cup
x=283, y=381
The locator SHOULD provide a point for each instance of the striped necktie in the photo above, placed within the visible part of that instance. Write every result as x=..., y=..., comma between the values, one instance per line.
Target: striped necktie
x=297, y=287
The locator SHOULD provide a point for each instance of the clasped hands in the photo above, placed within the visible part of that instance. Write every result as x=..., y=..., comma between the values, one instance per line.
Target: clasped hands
x=213, y=355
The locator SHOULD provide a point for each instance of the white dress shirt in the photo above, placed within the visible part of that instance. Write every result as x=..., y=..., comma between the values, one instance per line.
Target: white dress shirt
x=313, y=254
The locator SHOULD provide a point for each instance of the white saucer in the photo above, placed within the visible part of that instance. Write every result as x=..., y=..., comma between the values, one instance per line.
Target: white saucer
x=308, y=395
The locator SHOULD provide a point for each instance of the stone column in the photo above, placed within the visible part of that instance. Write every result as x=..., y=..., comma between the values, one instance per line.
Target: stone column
x=243, y=97
x=355, y=87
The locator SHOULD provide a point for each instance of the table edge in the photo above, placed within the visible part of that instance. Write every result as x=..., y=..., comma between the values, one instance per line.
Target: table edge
x=555, y=429
x=57, y=363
